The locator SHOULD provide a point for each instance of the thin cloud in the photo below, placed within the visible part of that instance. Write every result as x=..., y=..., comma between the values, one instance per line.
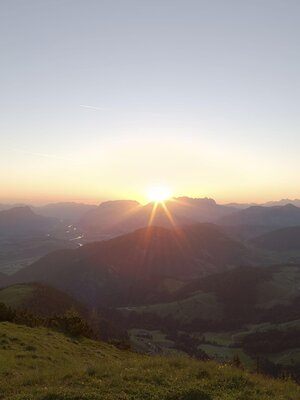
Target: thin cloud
x=44, y=155
x=92, y=107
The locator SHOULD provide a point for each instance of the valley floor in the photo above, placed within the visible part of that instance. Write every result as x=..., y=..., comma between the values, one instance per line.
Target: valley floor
x=40, y=364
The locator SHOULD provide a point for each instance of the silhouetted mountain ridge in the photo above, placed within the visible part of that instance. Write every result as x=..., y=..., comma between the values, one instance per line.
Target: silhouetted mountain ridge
x=22, y=220
x=276, y=216
x=68, y=211
x=121, y=216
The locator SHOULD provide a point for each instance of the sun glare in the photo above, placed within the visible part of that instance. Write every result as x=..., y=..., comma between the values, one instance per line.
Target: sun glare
x=159, y=194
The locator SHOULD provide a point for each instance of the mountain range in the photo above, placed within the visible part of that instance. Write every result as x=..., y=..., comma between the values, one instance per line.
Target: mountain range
x=274, y=217
x=22, y=220
x=208, y=279
x=70, y=212
x=130, y=267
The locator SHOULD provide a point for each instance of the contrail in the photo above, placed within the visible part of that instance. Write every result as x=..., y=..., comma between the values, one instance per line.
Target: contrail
x=92, y=107
x=45, y=155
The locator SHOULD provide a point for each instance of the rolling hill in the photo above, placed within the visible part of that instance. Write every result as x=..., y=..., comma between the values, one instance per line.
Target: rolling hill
x=280, y=240
x=38, y=299
x=234, y=297
x=3, y=280
x=131, y=267
x=252, y=312
x=40, y=364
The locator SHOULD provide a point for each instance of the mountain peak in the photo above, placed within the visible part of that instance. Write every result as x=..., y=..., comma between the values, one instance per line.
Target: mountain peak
x=290, y=206
x=19, y=211
x=119, y=203
x=203, y=200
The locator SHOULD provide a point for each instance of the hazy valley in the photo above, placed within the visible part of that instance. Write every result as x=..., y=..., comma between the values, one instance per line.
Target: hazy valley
x=195, y=278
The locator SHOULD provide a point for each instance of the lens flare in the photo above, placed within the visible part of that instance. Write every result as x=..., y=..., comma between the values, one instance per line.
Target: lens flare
x=159, y=194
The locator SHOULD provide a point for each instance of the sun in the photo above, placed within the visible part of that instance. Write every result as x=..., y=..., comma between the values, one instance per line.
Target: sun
x=159, y=194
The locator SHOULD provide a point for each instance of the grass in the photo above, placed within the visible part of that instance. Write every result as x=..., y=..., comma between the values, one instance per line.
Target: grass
x=38, y=364
x=223, y=346
x=10, y=266
x=226, y=354
x=172, y=285
x=294, y=324
x=283, y=287
x=203, y=305
x=14, y=296
x=288, y=357
x=152, y=342
x=220, y=338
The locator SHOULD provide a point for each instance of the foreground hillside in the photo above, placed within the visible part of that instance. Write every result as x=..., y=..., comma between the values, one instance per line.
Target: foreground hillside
x=36, y=363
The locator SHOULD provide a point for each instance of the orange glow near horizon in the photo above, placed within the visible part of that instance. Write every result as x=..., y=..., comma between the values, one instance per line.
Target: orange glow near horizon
x=102, y=171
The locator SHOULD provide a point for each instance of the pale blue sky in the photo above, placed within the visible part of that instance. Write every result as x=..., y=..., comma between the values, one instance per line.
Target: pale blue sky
x=202, y=96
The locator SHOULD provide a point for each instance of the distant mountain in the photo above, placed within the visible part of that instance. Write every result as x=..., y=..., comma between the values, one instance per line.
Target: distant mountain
x=71, y=212
x=285, y=239
x=282, y=202
x=126, y=269
x=111, y=216
x=240, y=206
x=22, y=220
x=9, y=206
x=122, y=216
x=197, y=209
x=277, y=216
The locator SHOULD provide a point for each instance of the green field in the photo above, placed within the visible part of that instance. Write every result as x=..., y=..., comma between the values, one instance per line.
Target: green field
x=14, y=296
x=226, y=354
x=222, y=346
x=39, y=364
x=288, y=357
x=220, y=338
x=282, y=288
x=152, y=342
x=265, y=327
x=203, y=305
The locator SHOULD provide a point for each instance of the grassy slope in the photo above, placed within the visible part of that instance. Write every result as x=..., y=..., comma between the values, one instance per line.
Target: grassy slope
x=200, y=305
x=152, y=342
x=44, y=365
x=38, y=299
x=220, y=344
x=14, y=296
x=282, y=288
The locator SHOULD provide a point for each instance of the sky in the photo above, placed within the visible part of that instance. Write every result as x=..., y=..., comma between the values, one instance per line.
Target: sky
x=106, y=99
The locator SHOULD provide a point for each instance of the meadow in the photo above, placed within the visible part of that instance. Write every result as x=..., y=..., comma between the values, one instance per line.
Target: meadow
x=40, y=364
